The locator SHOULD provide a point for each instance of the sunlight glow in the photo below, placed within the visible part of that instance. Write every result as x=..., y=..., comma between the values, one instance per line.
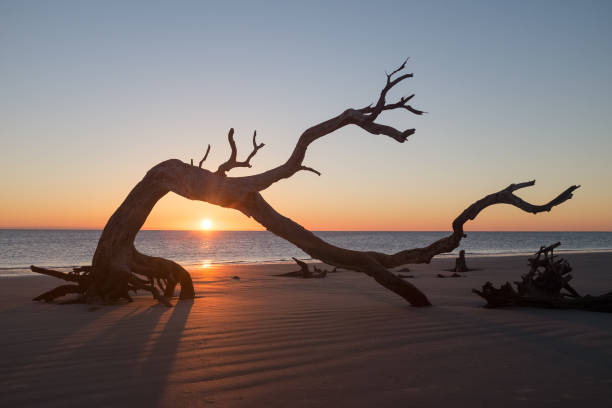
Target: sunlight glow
x=206, y=224
x=206, y=264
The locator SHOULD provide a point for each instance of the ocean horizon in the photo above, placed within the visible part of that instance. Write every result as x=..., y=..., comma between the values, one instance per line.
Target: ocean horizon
x=67, y=248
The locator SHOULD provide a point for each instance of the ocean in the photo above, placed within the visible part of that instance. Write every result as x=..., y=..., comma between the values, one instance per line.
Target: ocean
x=68, y=248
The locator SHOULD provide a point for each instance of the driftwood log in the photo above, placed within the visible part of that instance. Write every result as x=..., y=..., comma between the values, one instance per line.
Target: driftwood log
x=117, y=267
x=545, y=285
x=305, y=272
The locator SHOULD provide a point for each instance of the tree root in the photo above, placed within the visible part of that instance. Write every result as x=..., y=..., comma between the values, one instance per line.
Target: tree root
x=60, y=291
x=546, y=285
x=116, y=284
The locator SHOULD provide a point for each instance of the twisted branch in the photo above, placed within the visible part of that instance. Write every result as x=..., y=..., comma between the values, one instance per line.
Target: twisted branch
x=231, y=162
x=205, y=156
x=376, y=264
x=449, y=243
x=364, y=118
x=117, y=263
x=381, y=104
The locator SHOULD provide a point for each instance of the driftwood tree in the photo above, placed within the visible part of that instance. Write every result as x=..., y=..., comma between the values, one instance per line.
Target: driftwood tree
x=545, y=285
x=117, y=266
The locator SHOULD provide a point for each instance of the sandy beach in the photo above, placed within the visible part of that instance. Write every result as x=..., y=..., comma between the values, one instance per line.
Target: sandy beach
x=340, y=341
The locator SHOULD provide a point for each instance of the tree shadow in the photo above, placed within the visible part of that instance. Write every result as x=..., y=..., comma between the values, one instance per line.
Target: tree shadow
x=128, y=362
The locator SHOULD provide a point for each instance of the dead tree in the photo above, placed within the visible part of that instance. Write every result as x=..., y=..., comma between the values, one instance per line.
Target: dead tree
x=545, y=285
x=118, y=267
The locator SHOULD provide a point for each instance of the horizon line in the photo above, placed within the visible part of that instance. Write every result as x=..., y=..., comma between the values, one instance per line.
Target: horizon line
x=313, y=230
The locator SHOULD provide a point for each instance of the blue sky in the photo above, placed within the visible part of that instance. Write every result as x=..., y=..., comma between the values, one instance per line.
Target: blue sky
x=95, y=93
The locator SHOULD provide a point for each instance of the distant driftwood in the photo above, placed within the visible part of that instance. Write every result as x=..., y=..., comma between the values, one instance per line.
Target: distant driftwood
x=545, y=285
x=460, y=264
x=454, y=275
x=305, y=273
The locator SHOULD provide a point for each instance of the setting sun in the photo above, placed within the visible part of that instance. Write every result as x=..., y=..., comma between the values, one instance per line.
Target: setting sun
x=206, y=224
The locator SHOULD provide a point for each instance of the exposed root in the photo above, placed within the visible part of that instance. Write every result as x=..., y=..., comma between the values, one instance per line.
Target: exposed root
x=115, y=283
x=60, y=291
x=151, y=288
x=545, y=285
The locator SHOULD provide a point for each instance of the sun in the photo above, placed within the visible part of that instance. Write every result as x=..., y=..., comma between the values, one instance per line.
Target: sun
x=206, y=224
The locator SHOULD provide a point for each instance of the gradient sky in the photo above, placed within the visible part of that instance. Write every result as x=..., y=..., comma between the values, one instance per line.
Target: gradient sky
x=93, y=94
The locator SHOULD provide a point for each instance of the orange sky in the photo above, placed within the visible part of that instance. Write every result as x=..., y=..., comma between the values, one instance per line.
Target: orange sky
x=352, y=213
x=86, y=110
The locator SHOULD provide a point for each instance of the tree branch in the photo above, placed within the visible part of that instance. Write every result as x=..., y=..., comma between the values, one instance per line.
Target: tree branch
x=449, y=243
x=381, y=104
x=310, y=169
x=205, y=156
x=231, y=162
x=363, y=118
x=376, y=264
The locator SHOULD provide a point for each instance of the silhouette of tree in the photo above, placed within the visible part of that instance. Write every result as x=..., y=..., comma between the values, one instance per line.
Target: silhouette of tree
x=117, y=267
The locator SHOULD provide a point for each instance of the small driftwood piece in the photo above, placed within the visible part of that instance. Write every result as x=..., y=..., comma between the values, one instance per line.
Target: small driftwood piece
x=545, y=285
x=305, y=273
x=460, y=264
x=454, y=275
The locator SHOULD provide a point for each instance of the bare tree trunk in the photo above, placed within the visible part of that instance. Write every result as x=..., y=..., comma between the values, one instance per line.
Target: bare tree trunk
x=116, y=258
x=118, y=267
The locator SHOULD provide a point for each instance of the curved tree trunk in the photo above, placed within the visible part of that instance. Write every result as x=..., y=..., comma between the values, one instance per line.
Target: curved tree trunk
x=118, y=267
x=116, y=259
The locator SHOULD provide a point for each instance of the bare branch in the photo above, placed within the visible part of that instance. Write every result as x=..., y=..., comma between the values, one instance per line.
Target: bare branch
x=378, y=129
x=381, y=103
x=231, y=162
x=401, y=104
x=225, y=167
x=256, y=147
x=506, y=196
x=310, y=169
x=363, y=118
x=56, y=274
x=373, y=263
x=205, y=156
x=397, y=70
x=449, y=243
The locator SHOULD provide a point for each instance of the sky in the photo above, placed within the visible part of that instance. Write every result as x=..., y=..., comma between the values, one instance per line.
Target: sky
x=93, y=94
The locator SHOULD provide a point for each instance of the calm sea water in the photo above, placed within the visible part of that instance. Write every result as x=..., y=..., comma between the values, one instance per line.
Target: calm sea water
x=67, y=248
